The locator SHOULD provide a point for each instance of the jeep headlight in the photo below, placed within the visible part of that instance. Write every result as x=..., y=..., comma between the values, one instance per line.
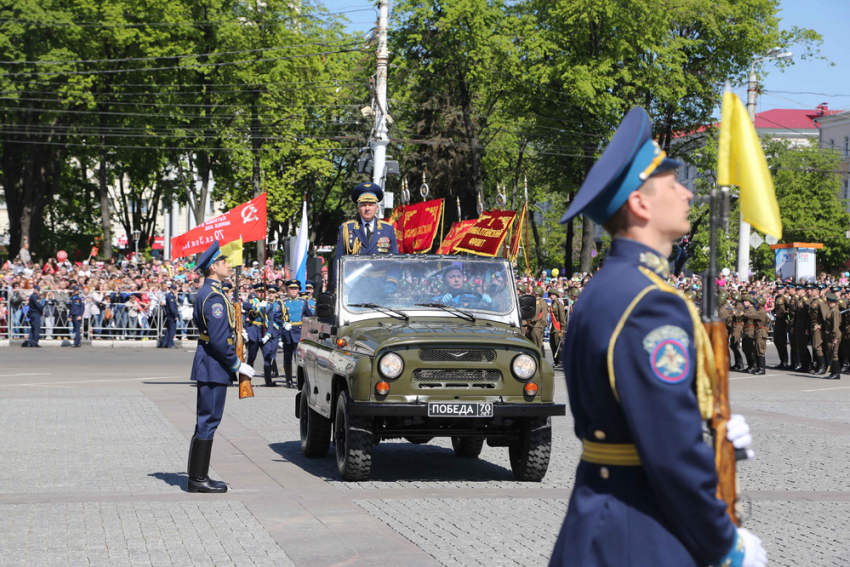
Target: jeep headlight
x=391, y=365
x=524, y=367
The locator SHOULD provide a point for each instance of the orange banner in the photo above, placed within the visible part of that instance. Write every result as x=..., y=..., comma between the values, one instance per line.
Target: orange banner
x=487, y=234
x=416, y=226
x=458, y=231
x=513, y=249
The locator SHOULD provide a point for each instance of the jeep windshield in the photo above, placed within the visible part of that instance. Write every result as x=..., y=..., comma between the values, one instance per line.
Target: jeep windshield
x=405, y=282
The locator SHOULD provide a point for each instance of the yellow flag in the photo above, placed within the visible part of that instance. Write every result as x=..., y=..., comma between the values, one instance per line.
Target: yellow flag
x=741, y=162
x=233, y=252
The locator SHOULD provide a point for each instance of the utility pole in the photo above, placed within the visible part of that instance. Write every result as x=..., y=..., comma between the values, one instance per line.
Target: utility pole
x=380, y=137
x=744, y=230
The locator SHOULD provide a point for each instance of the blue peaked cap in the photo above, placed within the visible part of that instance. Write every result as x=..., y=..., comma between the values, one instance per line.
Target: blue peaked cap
x=367, y=192
x=211, y=254
x=631, y=158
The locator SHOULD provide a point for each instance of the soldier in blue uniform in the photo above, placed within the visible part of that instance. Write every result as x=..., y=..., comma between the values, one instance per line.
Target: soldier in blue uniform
x=367, y=234
x=294, y=310
x=76, y=308
x=36, y=310
x=215, y=365
x=307, y=296
x=254, y=324
x=171, y=315
x=638, y=381
x=272, y=317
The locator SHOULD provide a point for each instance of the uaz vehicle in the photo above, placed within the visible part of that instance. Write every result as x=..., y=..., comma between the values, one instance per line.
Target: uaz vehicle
x=418, y=347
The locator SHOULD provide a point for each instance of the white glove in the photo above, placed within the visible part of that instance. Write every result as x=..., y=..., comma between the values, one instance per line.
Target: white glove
x=262, y=305
x=246, y=370
x=738, y=432
x=287, y=326
x=754, y=553
x=266, y=338
x=244, y=335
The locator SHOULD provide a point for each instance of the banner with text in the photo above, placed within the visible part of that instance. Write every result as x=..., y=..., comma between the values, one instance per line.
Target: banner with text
x=513, y=249
x=246, y=221
x=458, y=231
x=417, y=225
x=487, y=234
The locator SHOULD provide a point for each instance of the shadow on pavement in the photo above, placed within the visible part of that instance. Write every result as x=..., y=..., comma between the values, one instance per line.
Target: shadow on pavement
x=173, y=479
x=403, y=461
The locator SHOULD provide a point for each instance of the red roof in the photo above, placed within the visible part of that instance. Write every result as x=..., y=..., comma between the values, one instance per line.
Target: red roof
x=782, y=118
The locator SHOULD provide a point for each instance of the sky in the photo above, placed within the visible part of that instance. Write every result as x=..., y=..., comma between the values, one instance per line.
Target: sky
x=784, y=88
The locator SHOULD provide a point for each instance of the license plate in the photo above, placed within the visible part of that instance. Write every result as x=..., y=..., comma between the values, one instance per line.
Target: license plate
x=460, y=409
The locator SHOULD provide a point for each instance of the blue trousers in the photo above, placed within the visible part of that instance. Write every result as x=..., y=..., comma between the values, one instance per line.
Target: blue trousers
x=210, y=410
x=78, y=324
x=170, y=331
x=35, y=330
x=269, y=351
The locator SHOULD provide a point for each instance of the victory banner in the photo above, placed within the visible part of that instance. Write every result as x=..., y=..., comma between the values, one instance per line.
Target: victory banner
x=458, y=231
x=487, y=234
x=513, y=249
x=246, y=222
x=417, y=226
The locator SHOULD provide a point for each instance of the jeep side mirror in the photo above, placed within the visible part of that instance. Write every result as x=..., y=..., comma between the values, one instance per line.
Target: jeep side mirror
x=527, y=306
x=325, y=305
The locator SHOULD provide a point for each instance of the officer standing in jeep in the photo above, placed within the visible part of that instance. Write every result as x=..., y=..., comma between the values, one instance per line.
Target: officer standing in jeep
x=367, y=234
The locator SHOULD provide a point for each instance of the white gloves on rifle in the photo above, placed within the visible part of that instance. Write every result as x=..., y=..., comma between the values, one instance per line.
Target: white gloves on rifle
x=266, y=338
x=738, y=432
x=246, y=370
x=754, y=553
x=262, y=304
x=244, y=335
x=287, y=326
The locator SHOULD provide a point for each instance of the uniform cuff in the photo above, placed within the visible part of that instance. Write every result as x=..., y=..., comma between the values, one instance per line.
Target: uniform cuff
x=235, y=367
x=735, y=557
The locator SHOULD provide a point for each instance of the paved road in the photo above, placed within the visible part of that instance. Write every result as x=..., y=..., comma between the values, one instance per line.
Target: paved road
x=93, y=456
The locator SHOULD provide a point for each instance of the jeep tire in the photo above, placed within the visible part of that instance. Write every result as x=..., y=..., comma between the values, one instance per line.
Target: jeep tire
x=468, y=447
x=315, y=429
x=353, y=442
x=530, y=453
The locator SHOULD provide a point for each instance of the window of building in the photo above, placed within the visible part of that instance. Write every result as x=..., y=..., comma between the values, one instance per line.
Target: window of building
x=846, y=146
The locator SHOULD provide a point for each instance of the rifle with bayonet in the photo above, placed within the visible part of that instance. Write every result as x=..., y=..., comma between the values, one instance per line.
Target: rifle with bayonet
x=245, y=388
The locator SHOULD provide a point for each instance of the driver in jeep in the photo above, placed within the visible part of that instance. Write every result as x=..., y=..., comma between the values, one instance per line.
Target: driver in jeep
x=455, y=293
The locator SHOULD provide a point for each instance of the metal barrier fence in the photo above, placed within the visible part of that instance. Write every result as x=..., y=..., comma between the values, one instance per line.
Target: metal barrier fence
x=114, y=321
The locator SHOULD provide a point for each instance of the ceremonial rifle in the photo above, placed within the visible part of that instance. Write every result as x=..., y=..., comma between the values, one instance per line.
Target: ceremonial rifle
x=245, y=388
x=725, y=455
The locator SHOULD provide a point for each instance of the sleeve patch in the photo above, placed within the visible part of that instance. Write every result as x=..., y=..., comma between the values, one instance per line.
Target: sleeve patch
x=217, y=311
x=668, y=353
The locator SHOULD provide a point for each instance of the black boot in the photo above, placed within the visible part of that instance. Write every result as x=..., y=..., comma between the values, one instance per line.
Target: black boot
x=822, y=366
x=834, y=371
x=275, y=373
x=287, y=368
x=199, y=468
x=267, y=374
x=760, y=365
x=815, y=366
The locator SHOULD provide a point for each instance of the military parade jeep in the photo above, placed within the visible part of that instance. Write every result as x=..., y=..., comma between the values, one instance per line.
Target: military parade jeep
x=422, y=346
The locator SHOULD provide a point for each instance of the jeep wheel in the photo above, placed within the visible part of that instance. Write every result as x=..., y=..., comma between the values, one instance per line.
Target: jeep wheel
x=530, y=453
x=315, y=429
x=468, y=447
x=353, y=442
x=418, y=440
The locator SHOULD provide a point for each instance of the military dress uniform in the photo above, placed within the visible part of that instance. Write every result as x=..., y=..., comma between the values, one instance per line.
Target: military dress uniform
x=273, y=318
x=171, y=314
x=253, y=323
x=559, y=323
x=818, y=312
x=761, y=321
x=801, y=332
x=638, y=377
x=748, y=340
x=76, y=308
x=213, y=368
x=844, y=347
x=780, y=328
x=36, y=310
x=832, y=337
x=737, y=332
x=294, y=311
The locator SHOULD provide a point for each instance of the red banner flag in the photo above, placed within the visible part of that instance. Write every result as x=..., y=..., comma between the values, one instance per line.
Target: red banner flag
x=93, y=252
x=417, y=226
x=513, y=249
x=487, y=234
x=246, y=221
x=458, y=231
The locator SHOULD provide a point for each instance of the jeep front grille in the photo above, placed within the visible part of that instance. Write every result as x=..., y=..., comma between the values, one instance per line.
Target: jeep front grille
x=455, y=375
x=457, y=355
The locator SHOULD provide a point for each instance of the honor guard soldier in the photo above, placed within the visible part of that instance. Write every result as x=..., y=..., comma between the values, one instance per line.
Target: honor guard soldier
x=254, y=323
x=273, y=321
x=76, y=308
x=36, y=310
x=748, y=341
x=308, y=297
x=737, y=331
x=801, y=328
x=780, y=327
x=171, y=315
x=294, y=310
x=818, y=313
x=215, y=365
x=559, y=323
x=367, y=234
x=832, y=337
x=761, y=323
x=646, y=486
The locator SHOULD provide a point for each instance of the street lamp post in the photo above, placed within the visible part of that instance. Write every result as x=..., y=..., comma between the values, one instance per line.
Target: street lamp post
x=752, y=93
x=136, y=235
